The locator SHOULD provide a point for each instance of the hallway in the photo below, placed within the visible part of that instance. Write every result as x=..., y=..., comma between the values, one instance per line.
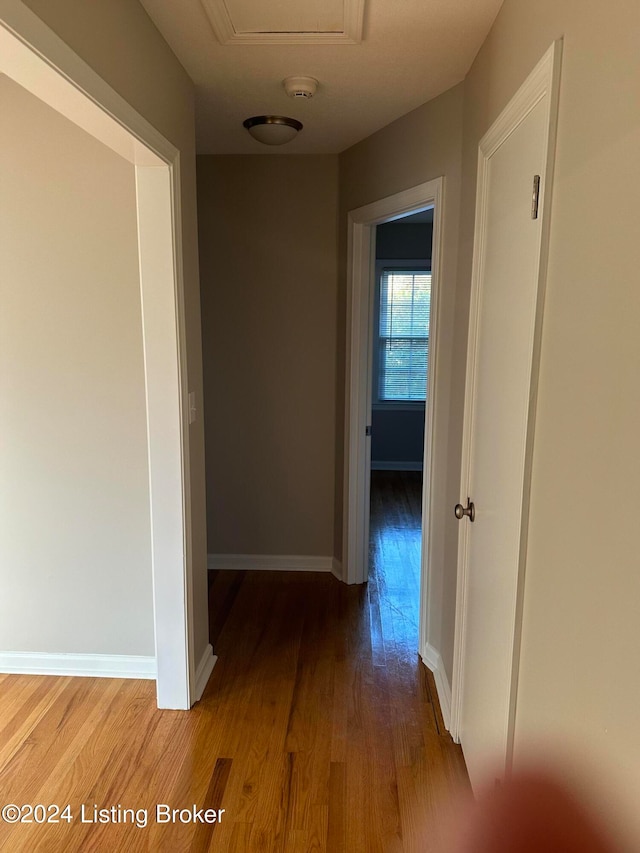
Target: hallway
x=341, y=745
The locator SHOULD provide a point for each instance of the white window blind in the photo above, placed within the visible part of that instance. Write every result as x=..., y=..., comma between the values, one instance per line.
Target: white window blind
x=403, y=339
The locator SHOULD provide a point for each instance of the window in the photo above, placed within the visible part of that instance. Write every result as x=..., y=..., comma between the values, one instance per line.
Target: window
x=403, y=335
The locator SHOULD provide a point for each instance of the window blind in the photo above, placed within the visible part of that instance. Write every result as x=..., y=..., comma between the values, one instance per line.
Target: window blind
x=403, y=342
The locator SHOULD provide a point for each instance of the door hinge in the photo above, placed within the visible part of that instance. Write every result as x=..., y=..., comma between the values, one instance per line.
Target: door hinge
x=367, y=430
x=535, y=197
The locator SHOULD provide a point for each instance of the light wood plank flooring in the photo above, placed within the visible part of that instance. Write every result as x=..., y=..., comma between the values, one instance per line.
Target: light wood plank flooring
x=319, y=730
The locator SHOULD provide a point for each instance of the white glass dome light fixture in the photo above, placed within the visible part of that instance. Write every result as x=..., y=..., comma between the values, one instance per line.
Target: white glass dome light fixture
x=273, y=130
x=276, y=130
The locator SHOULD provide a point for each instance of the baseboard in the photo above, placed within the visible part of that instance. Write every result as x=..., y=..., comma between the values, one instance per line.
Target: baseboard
x=336, y=568
x=396, y=466
x=93, y=666
x=272, y=562
x=203, y=672
x=431, y=658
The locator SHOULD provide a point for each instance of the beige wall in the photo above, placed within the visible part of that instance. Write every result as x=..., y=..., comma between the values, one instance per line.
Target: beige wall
x=268, y=264
x=75, y=540
x=579, y=677
x=118, y=40
x=418, y=147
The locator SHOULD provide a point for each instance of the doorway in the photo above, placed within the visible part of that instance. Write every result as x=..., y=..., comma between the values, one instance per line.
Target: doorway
x=515, y=166
x=39, y=61
x=399, y=368
x=362, y=224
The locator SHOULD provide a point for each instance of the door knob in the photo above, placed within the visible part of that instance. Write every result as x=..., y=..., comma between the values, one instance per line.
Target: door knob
x=469, y=510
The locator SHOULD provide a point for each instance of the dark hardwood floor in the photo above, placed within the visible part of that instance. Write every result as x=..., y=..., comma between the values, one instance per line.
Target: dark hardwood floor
x=319, y=729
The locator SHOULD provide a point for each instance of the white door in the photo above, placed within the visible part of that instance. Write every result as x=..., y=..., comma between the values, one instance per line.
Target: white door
x=498, y=422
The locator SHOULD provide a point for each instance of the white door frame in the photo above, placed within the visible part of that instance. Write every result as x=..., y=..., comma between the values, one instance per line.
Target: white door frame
x=360, y=286
x=544, y=81
x=36, y=58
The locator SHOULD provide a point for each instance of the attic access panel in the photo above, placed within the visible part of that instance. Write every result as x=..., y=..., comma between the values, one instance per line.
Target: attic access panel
x=286, y=21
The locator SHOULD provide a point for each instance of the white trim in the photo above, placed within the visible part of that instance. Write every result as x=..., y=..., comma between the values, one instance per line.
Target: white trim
x=543, y=81
x=433, y=661
x=39, y=60
x=75, y=90
x=272, y=562
x=357, y=449
x=93, y=666
x=360, y=266
x=203, y=672
x=166, y=433
x=222, y=25
x=386, y=465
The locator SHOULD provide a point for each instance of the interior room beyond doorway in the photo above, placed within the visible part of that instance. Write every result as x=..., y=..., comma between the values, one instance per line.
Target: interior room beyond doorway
x=400, y=331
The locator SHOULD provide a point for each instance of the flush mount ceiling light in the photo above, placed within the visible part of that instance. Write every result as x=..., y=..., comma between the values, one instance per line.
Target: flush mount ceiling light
x=272, y=130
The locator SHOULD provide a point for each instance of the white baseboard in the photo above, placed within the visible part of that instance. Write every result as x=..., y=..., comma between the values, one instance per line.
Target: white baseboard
x=432, y=660
x=336, y=568
x=203, y=672
x=93, y=666
x=396, y=466
x=272, y=562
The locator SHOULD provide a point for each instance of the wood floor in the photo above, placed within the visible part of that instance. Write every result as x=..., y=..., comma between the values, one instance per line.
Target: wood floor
x=319, y=730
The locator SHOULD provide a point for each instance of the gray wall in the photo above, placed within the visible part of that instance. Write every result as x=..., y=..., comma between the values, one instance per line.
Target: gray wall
x=404, y=240
x=268, y=263
x=397, y=439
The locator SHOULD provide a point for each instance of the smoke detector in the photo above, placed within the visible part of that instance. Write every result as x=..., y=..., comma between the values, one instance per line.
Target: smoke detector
x=300, y=87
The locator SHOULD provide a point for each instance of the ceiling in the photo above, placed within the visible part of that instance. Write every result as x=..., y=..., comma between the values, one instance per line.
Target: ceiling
x=411, y=51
